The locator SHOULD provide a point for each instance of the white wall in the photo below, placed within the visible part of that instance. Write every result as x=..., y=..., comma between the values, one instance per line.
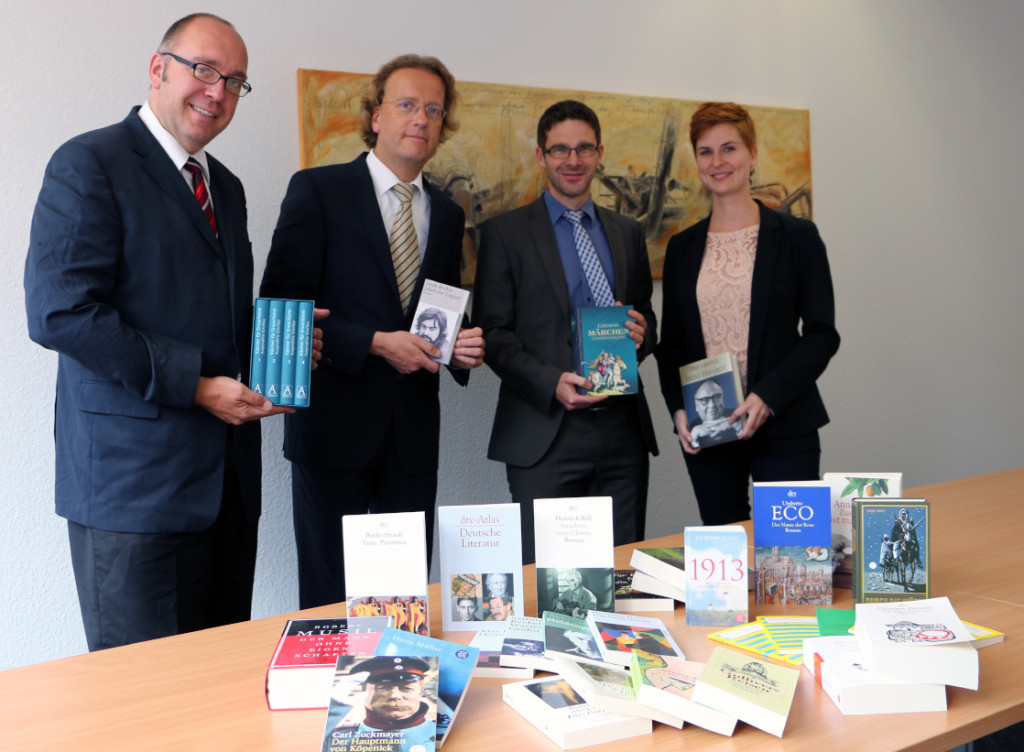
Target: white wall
x=916, y=110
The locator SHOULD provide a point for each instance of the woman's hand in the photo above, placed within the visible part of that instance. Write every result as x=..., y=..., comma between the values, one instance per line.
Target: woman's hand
x=685, y=438
x=757, y=413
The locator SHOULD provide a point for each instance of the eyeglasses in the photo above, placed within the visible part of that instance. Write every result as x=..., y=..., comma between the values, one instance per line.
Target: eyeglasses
x=561, y=151
x=210, y=75
x=409, y=107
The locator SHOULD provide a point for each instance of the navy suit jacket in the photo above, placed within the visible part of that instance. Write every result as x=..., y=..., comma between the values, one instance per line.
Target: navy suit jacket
x=331, y=246
x=522, y=302
x=128, y=283
x=792, y=333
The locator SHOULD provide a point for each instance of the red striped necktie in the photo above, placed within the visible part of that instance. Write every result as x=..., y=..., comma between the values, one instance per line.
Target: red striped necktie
x=201, y=191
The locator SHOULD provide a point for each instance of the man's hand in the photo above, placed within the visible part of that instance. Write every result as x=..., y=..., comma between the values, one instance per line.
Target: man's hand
x=685, y=437
x=405, y=351
x=637, y=327
x=233, y=402
x=469, y=348
x=318, y=337
x=757, y=413
x=566, y=392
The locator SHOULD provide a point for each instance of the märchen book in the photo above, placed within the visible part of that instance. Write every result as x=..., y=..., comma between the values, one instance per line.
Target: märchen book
x=845, y=487
x=619, y=634
x=921, y=641
x=438, y=317
x=628, y=600
x=757, y=692
x=667, y=564
x=644, y=583
x=837, y=665
x=384, y=704
x=455, y=665
x=610, y=688
x=753, y=637
x=603, y=352
x=575, y=555
x=891, y=550
x=571, y=638
x=666, y=682
x=488, y=640
x=386, y=568
x=302, y=668
x=793, y=543
x=712, y=390
x=481, y=565
x=716, y=583
x=558, y=711
x=523, y=646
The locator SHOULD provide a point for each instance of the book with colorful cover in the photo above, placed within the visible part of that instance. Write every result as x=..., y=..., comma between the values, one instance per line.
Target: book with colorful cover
x=628, y=600
x=667, y=564
x=481, y=564
x=523, y=646
x=793, y=543
x=983, y=636
x=571, y=638
x=754, y=638
x=611, y=688
x=834, y=621
x=891, y=550
x=716, y=584
x=575, y=555
x=619, y=634
x=845, y=487
x=438, y=317
x=488, y=640
x=666, y=682
x=712, y=390
x=789, y=632
x=603, y=351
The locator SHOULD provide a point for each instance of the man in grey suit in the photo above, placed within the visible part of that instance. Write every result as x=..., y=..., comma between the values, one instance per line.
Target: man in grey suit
x=535, y=265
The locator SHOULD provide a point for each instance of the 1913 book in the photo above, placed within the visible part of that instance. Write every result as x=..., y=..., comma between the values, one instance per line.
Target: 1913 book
x=603, y=351
x=716, y=583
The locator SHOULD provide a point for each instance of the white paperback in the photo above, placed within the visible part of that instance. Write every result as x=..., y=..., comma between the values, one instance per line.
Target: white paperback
x=439, y=315
x=386, y=568
x=837, y=664
x=561, y=714
x=666, y=682
x=523, y=646
x=845, y=487
x=664, y=563
x=922, y=641
x=610, y=688
x=647, y=584
x=488, y=640
x=629, y=600
x=481, y=565
x=619, y=634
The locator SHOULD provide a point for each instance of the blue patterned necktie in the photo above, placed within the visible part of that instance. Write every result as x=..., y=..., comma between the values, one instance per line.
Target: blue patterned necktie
x=596, y=278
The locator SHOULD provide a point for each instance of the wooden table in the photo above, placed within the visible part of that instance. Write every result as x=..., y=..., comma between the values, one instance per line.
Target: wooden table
x=205, y=690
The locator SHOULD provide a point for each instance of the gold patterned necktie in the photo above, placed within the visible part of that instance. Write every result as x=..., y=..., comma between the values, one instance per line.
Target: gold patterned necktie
x=405, y=248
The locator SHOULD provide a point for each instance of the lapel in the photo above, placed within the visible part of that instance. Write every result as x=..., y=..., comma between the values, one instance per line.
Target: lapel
x=363, y=198
x=769, y=237
x=225, y=208
x=617, y=243
x=538, y=225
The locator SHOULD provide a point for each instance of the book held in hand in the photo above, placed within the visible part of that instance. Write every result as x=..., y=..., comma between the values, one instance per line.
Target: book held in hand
x=439, y=315
x=716, y=583
x=712, y=390
x=280, y=358
x=603, y=352
x=845, y=488
x=891, y=550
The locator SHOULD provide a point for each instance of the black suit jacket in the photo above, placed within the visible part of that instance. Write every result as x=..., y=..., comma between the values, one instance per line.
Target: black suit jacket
x=792, y=320
x=522, y=302
x=331, y=246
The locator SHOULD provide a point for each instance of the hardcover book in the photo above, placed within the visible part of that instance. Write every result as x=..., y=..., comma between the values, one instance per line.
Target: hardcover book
x=280, y=359
x=712, y=390
x=386, y=568
x=481, y=564
x=618, y=635
x=258, y=359
x=488, y=640
x=303, y=353
x=560, y=713
x=611, y=688
x=793, y=543
x=301, y=670
x=275, y=343
x=667, y=564
x=891, y=550
x=439, y=315
x=629, y=600
x=568, y=637
x=289, y=331
x=666, y=682
x=603, y=351
x=523, y=646
x=716, y=585
x=575, y=555
x=845, y=488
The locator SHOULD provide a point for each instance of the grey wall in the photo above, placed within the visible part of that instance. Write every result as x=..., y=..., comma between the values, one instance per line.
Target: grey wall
x=915, y=120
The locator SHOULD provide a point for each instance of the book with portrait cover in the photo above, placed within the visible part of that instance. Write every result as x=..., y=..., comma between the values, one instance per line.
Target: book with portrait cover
x=384, y=704
x=571, y=638
x=438, y=317
x=891, y=550
x=488, y=640
x=628, y=600
x=618, y=635
x=845, y=488
x=560, y=713
x=523, y=646
x=481, y=564
x=793, y=543
x=666, y=682
x=610, y=688
x=603, y=352
x=302, y=667
x=716, y=583
x=386, y=568
x=712, y=389
x=575, y=555
x=280, y=357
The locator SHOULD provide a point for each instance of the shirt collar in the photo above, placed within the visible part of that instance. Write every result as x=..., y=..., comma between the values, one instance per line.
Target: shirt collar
x=384, y=179
x=170, y=144
x=556, y=208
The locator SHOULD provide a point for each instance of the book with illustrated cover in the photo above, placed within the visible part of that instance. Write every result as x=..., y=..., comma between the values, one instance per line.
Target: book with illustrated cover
x=439, y=315
x=716, y=585
x=629, y=600
x=667, y=564
x=523, y=646
x=603, y=352
x=481, y=564
x=712, y=390
x=568, y=637
x=846, y=487
x=666, y=682
x=891, y=550
x=618, y=635
x=488, y=640
x=793, y=543
x=611, y=688
x=575, y=555
x=280, y=359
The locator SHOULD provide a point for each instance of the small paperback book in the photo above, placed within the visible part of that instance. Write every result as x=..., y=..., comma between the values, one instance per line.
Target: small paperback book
x=610, y=688
x=845, y=488
x=385, y=704
x=488, y=640
x=456, y=663
x=575, y=555
x=568, y=637
x=628, y=600
x=753, y=637
x=386, y=568
x=793, y=543
x=481, y=564
x=712, y=389
x=439, y=315
x=280, y=360
x=560, y=713
x=644, y=583
x=667, y=564
x=618, y=635
x=891, y=550
x=523, y=646
x=716, y=586
x=302, y=668
x=756, y=691
x=603, y=351
x=666, y=682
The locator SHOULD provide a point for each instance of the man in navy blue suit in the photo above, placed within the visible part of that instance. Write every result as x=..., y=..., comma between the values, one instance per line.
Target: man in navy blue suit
x=360, y=239
x=139, y=275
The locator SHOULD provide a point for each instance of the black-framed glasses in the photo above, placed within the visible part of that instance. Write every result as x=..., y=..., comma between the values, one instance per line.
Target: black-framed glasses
x=410, y=107
x=561, y=151
x=210, y=75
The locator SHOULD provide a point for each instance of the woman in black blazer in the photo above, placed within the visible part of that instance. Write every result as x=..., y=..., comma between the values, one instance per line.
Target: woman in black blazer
x=754, y=282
